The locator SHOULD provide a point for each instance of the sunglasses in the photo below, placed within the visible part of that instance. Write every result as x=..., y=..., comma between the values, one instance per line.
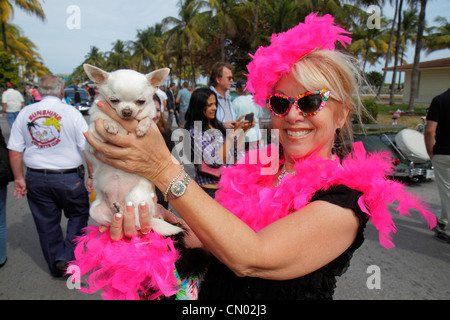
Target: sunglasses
x=309, y=103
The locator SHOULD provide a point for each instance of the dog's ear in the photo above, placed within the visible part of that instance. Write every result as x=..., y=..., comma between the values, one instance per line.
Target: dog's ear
x=95, y=74
x=157, y=77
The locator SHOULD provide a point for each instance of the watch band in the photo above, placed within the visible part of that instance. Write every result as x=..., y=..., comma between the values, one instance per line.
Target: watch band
x=184, y=182
x=171, y=182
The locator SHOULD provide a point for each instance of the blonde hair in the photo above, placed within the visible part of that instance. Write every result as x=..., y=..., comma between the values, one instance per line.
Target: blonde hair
x=337, y=72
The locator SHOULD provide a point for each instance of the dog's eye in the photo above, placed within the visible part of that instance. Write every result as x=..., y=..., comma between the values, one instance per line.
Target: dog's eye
x=114, y=101
x=140, y=102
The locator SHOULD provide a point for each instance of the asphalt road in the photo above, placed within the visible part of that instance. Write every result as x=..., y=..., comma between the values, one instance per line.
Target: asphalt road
x=417, y=268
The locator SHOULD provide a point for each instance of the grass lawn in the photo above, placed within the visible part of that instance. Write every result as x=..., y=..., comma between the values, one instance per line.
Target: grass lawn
x=411, y=121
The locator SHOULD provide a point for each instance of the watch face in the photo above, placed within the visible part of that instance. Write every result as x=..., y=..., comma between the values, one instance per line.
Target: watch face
x=178, y=188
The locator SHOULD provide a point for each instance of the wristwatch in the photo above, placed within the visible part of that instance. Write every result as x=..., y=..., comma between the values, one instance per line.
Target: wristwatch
x=178, y=188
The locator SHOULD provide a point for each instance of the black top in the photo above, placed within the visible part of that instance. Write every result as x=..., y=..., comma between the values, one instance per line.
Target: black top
x=221, y=283
x=440, y=112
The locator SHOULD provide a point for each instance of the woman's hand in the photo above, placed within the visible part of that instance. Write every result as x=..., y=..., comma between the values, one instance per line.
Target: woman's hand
x=146, y=156
x=244, y=125
x=123, y=223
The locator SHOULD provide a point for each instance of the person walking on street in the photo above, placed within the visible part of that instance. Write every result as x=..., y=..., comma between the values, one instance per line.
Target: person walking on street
x=12, y=102
x=77, y=98
x=183, y=98
x=3, y=193
x=220, y=82
x=36, y=95
x=171, y=102
x=91, y=93
x=162, y=97
x=47, y=138
x=437, y=142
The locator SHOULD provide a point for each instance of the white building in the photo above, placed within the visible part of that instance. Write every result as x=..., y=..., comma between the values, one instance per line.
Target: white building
x=434, y=79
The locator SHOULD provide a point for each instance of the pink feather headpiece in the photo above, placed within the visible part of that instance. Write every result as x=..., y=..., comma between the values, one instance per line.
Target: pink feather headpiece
x=271, y=63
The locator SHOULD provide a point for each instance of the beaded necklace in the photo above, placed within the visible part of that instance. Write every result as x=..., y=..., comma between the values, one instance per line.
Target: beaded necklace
x=283, y=173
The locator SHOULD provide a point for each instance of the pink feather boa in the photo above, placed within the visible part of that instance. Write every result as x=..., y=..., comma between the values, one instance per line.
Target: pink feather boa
x=124, y=269
x=129, y=268
x=270, y=63
x=260, y=203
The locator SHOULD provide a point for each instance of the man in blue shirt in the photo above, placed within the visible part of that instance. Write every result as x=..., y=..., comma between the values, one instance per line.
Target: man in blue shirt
x=220, y=82
x=183, y=98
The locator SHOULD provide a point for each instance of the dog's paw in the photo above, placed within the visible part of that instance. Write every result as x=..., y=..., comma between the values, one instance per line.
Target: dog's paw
x=143, y=126
x=111, y=127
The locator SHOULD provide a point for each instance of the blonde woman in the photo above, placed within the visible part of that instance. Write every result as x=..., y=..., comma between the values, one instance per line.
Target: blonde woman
x=289, y=234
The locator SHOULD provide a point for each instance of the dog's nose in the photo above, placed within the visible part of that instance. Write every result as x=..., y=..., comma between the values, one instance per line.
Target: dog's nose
x=127, y=113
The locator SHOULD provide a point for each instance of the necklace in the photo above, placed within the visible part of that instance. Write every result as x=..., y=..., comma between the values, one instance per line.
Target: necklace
x=283, y=173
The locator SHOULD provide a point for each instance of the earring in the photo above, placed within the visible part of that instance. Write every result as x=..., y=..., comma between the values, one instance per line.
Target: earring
x=338, y=145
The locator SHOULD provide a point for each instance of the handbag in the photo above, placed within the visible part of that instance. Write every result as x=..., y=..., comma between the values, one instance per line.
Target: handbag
x=6, y=174
x=209, y=171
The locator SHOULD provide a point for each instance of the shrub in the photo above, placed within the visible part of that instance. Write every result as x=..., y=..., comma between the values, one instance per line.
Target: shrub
x=372, y=110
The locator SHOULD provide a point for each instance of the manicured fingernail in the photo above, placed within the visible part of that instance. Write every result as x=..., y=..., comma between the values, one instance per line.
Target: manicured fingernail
x=118, y=216
x=99, y=103
x=143, y=204
x=129, y=207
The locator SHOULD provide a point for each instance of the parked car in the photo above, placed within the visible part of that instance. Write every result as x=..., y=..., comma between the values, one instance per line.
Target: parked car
x=85, y=104
x=406, y=147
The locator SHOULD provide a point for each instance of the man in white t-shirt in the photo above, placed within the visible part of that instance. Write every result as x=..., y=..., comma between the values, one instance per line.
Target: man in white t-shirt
x=47, y=137
x=163, y=97
x=12, y=102
x=244, y=105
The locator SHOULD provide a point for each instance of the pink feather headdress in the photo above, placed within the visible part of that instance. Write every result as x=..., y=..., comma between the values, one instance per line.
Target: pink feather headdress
x=271, y=63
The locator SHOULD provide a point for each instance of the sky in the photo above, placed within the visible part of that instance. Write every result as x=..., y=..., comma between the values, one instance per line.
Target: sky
x=73, y=26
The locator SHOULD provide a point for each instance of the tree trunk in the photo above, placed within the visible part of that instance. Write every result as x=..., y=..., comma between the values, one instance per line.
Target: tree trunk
x=5, y=45
x=397, y=47
x=401, y=61
x=255, y=25
x=194, y=84
x=222, y=45
x=389, y=50
x=415, y=70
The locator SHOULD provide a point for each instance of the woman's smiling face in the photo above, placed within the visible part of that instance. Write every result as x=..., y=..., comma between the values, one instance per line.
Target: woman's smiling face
x=211, y=107
x=300, y=136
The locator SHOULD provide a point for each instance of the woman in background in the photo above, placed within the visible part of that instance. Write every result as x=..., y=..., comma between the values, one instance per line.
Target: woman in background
x=209, y=139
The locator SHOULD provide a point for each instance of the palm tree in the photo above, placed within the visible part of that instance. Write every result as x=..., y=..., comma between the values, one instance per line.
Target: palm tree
x=409, y=26
x=438, y=37
x=415, y=70
x=24, y=52
x=148, y=48
x=7, y=11
x=184, y=38
x=397, y=49
x=388, y=54
x=228, y=14
x=369, y=44
x=95, y=57
x=283, y=14
x=119, y=57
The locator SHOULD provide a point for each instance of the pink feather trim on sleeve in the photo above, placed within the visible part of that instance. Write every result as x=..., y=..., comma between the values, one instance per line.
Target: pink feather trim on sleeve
x=253, y=198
